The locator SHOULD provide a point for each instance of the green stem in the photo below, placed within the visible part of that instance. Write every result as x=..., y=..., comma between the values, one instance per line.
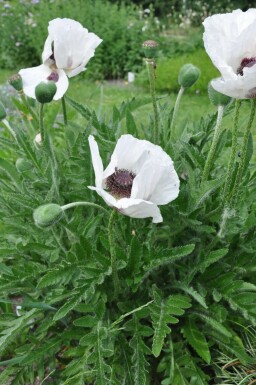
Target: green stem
x=175, y=110
x=63, y=102
x=233, y=197
x=210, y=157
x=30, y=110
x=74, y=204
x=227, y=186
x=41, y=121
x=152, y=80
x=111, y=239
x=7, y=125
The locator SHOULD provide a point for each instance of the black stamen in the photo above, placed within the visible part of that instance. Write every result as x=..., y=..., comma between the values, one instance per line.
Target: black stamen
x=120, y=183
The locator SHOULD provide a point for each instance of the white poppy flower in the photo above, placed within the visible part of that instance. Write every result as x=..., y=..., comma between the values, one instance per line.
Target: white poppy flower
x=139, y=177
x=230, y=42
x=67, y=50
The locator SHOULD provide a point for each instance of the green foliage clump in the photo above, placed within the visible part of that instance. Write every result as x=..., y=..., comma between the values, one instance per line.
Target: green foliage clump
x=167, y=72
x=120, y=26
x=185, y=291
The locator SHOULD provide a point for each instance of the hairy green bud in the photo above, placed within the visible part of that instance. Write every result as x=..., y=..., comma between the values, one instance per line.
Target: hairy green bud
x=216, y=97
x=188, y=75
x=47, y=215
x=16, y=82
x=2, y=112
x=150, y=49
x=23, y=165
x=45, y=91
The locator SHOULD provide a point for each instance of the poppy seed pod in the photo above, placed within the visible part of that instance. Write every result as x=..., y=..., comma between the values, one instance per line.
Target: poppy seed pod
x=217, y=98
x=150, y=49
x=188, y=75
x=47, y=215
x=45, y=92
x=2, y=112
x=16, y=82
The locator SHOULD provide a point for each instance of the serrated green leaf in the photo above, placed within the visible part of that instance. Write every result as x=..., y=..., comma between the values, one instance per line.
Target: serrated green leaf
x=162, y=313
x=60, y=276
x=197, y=340
x=66, y=308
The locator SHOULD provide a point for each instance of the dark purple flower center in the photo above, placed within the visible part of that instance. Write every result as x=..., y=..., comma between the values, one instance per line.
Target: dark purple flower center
x=119, y=184
x=54, y=77
x=246, y=62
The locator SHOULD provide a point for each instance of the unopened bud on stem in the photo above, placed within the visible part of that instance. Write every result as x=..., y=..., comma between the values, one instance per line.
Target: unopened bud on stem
x=188, y=75
x=45, y=91
x=47, y=215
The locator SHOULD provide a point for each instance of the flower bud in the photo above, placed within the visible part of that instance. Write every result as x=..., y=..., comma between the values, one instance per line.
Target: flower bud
x=150, y=49
x=23, y=165
x=188, y=75
x=47, y=215
x=217, y=98
x=16, y=82
x=45, y=91
x=2, y=112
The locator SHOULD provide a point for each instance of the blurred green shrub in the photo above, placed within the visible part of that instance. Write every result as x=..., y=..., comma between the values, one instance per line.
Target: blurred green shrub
x=168, y=70
x=122, y=28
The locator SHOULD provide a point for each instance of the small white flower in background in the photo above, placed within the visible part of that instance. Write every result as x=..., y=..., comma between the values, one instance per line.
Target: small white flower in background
x=38, y=139
x=230, y=42
x=67, y=50
x=139, y=177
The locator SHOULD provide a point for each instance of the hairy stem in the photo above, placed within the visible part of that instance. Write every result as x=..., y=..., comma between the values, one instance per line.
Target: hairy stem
x=41, y=121
x=210, y=157
x=226, y=190
x=175, y=110
x=74, y=204
x=234, y=194
x=152, y=80
x=63, y=102
x=111, y=239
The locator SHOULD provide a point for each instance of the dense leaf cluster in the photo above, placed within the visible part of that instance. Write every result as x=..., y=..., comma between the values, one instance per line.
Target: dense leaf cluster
x=185, y=292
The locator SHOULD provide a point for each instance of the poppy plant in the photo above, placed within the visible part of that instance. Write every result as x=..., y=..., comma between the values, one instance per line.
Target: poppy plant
x=139, y=177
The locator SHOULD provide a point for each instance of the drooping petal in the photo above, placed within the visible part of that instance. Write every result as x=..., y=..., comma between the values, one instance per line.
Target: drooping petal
x=73, y=45
x=227, y=37
x=31, y=77
x=96, y=161
x=131, y=154
x=138, y=208
x=108, y=198
x=242, y=87
x=156, y=182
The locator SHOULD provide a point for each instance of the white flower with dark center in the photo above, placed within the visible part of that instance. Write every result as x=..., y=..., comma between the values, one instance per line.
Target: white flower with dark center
x=139, y=177
x=230, y=41
x=67, y=50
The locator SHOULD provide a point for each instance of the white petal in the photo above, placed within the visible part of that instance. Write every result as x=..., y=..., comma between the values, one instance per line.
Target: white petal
x=47, y=52
x=131, y=154
x=109, y=199
x=31, y=77
x=73, y=45
x=228, y=38
x=96, y=161
x=242, y=87
x=138, y=208
x=156, y=182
